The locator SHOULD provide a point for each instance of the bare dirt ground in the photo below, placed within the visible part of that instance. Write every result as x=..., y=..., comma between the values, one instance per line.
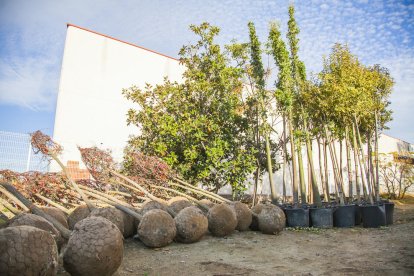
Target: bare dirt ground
x=354, y=251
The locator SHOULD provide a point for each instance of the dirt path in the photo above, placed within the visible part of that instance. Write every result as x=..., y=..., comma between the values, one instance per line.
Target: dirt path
x=355, y=251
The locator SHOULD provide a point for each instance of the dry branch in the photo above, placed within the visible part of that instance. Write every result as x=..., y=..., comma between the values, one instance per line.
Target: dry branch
x=44, y=144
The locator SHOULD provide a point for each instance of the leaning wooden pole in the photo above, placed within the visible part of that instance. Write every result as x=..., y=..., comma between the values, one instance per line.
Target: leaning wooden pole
x=206, y=193
x=54, y=204
x=10, y=207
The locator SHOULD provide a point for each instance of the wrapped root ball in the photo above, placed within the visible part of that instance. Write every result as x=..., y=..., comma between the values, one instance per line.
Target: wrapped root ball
x=56, y=214
x=152, y=205
x=95, y=247
x=207, y=202
x=38, y=222
x=110, y=213
x=79, y=213
x=191, y=225
x=271, y=219
x=157, y=228
x=222, y=220
x=243, y=214
x=255, y=220
x=129, y=225
x=26, y=250
x=176, y=204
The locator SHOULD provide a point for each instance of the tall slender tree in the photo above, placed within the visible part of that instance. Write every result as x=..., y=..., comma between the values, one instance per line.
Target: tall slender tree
x=258, y=74
x=299, y=84
x=284, y=95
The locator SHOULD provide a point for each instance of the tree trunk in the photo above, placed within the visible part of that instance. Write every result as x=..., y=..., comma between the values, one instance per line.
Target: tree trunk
x=301, y=174
x=309, y=188
x=363, y=162
x=348, y=165
x=335, y=168
x=270, y=170
x=295, y=185
x=316, y=196
x=341, y=179
x=325, y=193
x=340, y=159
x=256, y=183
x=325, y=160
x=355, y=146
x=371, y=166
x=285, y=156
x=258, y=148
x=377, y=184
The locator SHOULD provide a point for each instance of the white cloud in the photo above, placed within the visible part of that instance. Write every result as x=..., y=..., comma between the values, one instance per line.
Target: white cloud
x=29, y=83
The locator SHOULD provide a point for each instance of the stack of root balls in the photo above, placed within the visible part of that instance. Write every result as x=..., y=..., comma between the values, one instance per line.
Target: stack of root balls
x=90, y=242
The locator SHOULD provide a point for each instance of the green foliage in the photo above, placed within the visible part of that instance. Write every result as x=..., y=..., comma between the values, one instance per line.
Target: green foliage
x=349, y=89
x=298, y=67
x=284, y=93
x=258, y=75
x=256, y=59
x=257, y=99
x=198, y=127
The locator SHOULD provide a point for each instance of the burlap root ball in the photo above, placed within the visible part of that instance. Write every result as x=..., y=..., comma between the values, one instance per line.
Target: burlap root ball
x=269, y=219
x=207, y=202
x=130, y=228
x=112, y=214
x=26, y=250
x=157, y=228
x=78, y=214
x=272, y=219
x=178, y=203
x=38, y=222
x=255, y=219
x=191, y=225
x=95, y=247
x=243, y=214
x=152, y=205
x=222, y=220
x=56, y=214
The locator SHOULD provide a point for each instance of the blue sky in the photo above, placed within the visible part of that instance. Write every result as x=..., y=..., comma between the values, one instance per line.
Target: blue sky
x=32, y=36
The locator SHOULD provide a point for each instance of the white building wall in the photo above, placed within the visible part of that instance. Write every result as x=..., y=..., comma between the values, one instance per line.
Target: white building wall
x=91, y=109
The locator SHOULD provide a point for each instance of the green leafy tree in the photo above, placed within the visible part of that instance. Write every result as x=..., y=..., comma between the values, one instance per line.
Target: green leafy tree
x=299, y=84
x=259, y=78
x=198, y=127
x=284, y=93
x=353, y=101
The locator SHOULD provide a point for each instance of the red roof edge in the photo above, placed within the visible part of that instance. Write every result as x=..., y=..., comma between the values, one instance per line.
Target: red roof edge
x=110, y=37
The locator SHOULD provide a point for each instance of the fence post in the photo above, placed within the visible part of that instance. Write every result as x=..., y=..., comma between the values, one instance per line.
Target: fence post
x=29, y=155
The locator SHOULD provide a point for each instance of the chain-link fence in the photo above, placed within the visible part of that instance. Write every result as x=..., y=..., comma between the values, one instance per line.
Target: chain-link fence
x=16, y=153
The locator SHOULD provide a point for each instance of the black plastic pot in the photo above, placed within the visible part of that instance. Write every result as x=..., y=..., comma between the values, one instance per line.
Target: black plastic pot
x=344, y=216
x=321, y=217
x=358, y=215
x=373, y=216
x=297, y=217
x=389, y=213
